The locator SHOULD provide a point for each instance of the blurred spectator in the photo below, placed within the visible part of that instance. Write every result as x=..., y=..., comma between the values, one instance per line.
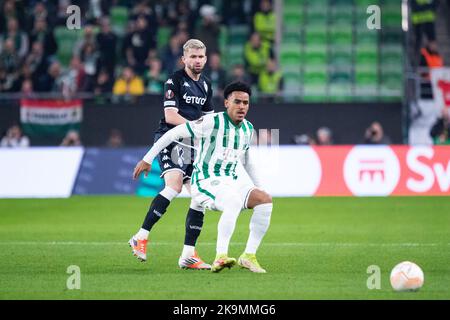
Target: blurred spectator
x=137, y=44
x=256, y=55
x=270, y=82
x=115, y=139
x=324, y=136
x=95, y=10
x=15, y=138
x=142, y=9
x=423, y=17
x=429, y=59
x=265, y=21
x=128, y=84
x=440, y=130
x=19, y=39
x=171, y=54
x=235, y=12
x=40, y=33
x=27, y=89
x=74, y=78
x=72, y=139
x=61, y=12
x=208, y=31
x=39, y=12
x=238, y=74
x=9, y=61
x=107, y=46
x=303, y=139
x=181, y=12
x=37, y=61
x=183, y=36
x=154, y=77
x=216, y=74
x=6, y=83
x=11, y=9
x=104, y=83
x=89, y=57
x=51, y=81
x=375, y=135
x=89, y=37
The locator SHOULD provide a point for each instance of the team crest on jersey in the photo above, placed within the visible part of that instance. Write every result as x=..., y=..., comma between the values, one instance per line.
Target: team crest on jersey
x=169, y=94
x=170, y=81
x=205, y=86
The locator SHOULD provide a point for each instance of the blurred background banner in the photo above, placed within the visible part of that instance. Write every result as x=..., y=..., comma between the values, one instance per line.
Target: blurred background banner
x=286, y=171
x=109, y=171
x=440, y=79
x=41, y=118
x=39, y=172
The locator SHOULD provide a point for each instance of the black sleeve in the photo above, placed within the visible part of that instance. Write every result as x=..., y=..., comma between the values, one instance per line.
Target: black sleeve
x=171, y=92
x=208, y=107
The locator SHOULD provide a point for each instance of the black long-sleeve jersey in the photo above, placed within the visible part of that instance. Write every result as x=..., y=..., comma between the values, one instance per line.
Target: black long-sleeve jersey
x=191, y=98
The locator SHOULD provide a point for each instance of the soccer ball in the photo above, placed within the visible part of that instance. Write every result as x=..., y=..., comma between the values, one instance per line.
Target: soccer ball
x=407, y=276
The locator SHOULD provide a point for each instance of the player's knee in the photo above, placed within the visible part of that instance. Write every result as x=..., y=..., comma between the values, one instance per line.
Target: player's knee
x=266, y=198
x=176, y=185
x=258, y=197
x=262, y=197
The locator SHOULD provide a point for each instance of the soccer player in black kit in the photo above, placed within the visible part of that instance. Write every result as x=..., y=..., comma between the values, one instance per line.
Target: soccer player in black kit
x=187, y=97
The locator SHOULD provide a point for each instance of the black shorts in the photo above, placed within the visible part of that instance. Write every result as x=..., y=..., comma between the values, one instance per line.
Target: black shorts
x=176, y=157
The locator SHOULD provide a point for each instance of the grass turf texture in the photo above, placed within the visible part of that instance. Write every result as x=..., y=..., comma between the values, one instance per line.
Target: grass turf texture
x=316, y=248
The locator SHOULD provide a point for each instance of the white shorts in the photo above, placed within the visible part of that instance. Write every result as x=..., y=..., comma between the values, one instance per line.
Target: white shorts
x=204, y=192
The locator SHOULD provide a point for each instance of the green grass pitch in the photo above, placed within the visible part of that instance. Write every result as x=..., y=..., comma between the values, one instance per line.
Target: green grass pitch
x=316, y=248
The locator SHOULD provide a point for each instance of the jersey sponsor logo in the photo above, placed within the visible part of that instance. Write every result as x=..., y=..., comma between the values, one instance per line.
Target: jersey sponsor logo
x=195, y=227
x=169, y=94
x=170, y=81
x=185, y=84
x=166, y=165
x=194, y=99
x=215, y=182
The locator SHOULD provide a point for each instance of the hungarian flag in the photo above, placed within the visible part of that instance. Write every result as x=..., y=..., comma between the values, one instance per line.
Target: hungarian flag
x=50, y=118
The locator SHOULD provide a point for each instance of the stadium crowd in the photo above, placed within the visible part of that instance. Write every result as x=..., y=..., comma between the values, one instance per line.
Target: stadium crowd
x=130, y=62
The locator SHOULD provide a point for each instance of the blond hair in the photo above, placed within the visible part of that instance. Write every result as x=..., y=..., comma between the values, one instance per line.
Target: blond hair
x=193, y=44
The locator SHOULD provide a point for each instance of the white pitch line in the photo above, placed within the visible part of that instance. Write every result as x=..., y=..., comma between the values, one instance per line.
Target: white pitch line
x=275, y=244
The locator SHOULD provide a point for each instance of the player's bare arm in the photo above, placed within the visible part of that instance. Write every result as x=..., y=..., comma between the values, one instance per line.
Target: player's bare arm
x=173, y=117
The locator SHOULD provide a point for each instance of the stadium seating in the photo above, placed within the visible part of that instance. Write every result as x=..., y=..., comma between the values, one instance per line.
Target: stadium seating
x=339, y=58
x=66, y=39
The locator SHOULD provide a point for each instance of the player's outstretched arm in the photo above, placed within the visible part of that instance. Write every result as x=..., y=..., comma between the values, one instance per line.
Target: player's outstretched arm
x=170, y=136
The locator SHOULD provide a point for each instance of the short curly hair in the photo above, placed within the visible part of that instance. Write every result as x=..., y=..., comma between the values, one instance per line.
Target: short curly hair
x=236, y=86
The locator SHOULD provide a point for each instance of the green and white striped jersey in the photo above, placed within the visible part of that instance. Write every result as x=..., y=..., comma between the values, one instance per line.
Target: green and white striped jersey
x=221, y=145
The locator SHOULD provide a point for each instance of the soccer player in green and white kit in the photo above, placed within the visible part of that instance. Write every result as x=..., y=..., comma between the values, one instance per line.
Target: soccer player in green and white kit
x=224, y=140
